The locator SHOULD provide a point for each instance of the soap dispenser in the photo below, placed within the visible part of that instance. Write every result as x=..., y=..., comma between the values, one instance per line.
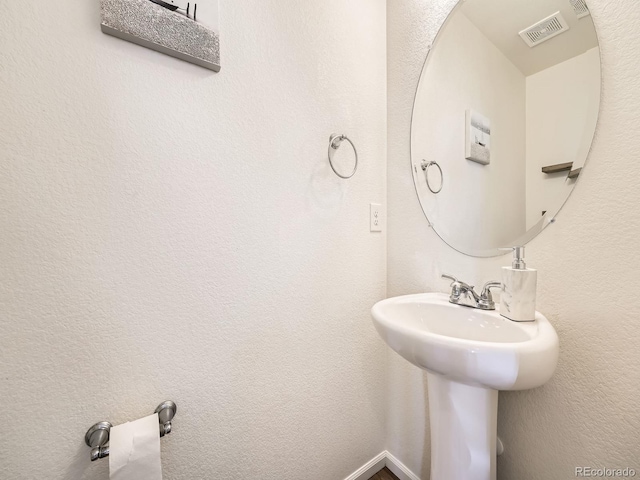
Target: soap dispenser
x=518, y=299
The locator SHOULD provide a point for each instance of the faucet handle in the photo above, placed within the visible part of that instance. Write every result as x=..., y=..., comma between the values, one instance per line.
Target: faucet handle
x=450, y=277
x=458, y=283
x=486, y=289
x=489, y=285
x=457, y=287
x=486, y=299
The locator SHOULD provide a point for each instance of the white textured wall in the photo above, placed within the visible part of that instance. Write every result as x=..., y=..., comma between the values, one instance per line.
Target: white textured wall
x=562, y=113
x=171, y=233
x=486, y=81
x=588, y=272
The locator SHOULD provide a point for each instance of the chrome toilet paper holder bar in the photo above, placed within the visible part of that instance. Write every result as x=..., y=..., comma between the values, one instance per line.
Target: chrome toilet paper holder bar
x=97, y=436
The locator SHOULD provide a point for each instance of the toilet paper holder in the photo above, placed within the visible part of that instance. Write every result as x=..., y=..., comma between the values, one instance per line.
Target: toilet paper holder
x=97, y=436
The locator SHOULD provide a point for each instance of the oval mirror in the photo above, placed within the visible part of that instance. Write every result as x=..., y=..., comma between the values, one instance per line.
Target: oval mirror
x=503, y=119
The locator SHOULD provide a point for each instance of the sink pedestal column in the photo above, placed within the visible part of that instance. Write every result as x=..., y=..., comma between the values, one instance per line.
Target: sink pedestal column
x=463, y=430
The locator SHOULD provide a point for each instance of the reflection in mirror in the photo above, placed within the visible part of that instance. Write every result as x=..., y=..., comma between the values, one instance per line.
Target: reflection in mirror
x=507, y=105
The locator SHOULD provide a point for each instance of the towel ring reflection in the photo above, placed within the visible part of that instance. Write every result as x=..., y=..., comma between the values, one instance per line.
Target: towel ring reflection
x=334, y=143
x=425, y=167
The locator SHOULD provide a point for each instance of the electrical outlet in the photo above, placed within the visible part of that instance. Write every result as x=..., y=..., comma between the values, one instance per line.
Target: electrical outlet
x=375, y=218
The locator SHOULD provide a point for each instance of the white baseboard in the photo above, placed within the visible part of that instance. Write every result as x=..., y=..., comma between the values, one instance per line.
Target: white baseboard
x=399, y=469
x=377, y=463
x=370, y=468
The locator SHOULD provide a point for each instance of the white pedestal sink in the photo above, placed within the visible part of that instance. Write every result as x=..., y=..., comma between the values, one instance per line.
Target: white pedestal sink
x=469, y=355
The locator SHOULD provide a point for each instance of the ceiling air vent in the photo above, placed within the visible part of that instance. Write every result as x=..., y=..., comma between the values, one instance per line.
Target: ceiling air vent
x=580, y=7
x=544, y=30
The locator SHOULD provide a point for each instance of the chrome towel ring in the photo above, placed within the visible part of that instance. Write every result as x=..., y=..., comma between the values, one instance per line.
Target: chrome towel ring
x=334, y=143
x=425, y=167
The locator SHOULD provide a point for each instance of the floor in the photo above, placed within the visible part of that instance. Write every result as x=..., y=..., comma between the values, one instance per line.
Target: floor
x=384, y=474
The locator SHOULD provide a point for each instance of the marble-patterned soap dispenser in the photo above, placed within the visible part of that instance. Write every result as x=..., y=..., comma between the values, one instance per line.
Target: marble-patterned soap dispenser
x=519, y=283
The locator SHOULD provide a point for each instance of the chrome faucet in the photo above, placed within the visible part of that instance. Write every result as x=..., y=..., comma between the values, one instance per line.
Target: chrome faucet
x=465, y=295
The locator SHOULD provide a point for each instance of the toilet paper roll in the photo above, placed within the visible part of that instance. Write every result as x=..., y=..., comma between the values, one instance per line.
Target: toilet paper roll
x=134, y=450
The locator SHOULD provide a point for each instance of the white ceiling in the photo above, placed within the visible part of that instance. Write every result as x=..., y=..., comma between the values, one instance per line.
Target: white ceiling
x=501, y=20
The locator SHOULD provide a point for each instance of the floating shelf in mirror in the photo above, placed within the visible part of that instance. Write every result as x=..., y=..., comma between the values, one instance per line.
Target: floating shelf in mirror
x=531, y=104
x=559, y=167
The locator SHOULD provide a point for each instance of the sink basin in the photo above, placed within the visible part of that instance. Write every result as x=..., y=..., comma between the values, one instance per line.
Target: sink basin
x=471, y=346
x=469, y=355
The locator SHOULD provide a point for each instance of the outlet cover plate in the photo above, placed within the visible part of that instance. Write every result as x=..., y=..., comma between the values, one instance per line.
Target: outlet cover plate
x=375, y=217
